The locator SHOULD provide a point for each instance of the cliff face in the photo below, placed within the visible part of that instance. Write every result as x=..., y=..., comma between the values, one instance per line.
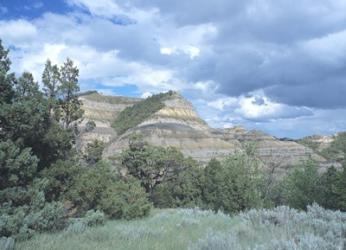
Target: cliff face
x=177, y=124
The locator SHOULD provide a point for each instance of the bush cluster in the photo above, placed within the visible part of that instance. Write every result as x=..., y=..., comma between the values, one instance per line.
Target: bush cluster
x=281, y=228
x=101, y=188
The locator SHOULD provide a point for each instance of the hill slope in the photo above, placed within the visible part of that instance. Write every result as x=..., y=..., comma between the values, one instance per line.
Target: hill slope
x=170, y=120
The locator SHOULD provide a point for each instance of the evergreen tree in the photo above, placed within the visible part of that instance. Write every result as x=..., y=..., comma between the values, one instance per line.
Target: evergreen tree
x=237, y=183
x=6, y=79
x=329, y=182
x=185, y=190
x=68, y=90
x=213, y=178
x=152, y=165
x=302, y=186
x=93, y=152
x=51, y=84
x=341, y=189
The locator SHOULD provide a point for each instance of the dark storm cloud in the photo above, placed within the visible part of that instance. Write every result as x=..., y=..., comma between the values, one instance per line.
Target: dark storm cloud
x=295, y=52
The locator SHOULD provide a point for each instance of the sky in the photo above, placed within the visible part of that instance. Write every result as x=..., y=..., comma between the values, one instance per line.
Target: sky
x=272, y=65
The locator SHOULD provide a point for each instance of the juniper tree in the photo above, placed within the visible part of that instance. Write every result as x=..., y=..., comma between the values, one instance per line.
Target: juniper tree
x=68, y=90
x=6, y=79
x=51, y=84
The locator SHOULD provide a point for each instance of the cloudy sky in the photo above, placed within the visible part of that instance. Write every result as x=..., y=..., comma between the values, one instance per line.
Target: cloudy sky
x=274, y=65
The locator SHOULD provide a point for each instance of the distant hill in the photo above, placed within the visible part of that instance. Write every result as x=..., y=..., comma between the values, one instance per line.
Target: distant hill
x=169, y=119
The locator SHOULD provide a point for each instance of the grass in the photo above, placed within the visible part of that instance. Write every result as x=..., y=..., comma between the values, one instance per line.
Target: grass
x=164, y=229
x=193, y=229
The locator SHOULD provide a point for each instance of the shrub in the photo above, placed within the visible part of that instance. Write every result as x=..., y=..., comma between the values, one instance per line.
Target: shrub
x=280, y=228
x=125, y=199
x=100, y=188
x=153, y=165
x=94, y=217
x=90, y=126
x=60, y=176
x=93, y=152
x=77, y=226
x=216, y=241
x=22, y=222
x=51, y=217
x=184, y=190
x=6, y=243
x=302, y=186
x=86, y=190
x=233, y=185
x=91, y=218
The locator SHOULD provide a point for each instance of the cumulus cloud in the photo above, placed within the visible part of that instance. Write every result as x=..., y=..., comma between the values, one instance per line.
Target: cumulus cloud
x=17, y=31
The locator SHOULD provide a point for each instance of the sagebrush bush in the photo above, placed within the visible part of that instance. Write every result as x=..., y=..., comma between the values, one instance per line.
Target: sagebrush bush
x=90, y=219
x=6, y=243
x=281, y=228
x=94, y=217
x=216, y=241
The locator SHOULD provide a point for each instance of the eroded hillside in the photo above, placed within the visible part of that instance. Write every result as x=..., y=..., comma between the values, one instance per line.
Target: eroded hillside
x=171, y=120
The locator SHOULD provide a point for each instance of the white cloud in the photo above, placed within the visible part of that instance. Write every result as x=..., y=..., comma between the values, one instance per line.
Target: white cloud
x=261, y=108
x=192, y=51
x=167, y=51
x=146, y=94
x=17, y=31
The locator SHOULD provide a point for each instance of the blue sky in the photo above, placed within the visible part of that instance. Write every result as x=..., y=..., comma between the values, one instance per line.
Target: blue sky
x=264, y=64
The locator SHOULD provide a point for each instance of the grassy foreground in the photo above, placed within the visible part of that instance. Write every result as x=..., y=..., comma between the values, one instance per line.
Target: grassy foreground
x=280, y=228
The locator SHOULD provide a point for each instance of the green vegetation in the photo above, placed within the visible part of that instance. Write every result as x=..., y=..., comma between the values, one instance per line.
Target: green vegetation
x=93, y=152
x=171, y=180
x=95, y=96
x=337, y=150
x=153, y=165
x=280, y=228
x=308, y=142
x=233, y=185
x=134, y=115
x=101, y=188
